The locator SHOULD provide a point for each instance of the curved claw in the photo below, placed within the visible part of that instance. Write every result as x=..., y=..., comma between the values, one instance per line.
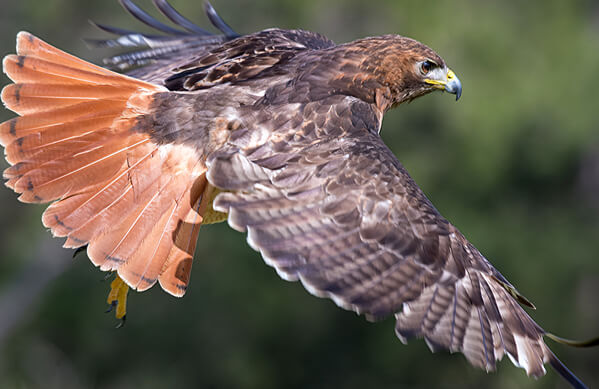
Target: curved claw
x=111, y=306
x=121, y=322
x=79, y=250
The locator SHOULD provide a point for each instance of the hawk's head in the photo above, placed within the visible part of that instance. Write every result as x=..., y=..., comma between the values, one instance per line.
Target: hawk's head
x=408, y=68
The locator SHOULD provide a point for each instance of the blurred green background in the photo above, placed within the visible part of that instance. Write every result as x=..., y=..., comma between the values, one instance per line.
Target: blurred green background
x=514, y=164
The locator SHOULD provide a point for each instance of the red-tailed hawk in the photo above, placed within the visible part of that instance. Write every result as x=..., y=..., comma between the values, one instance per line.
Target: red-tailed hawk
x=278, y=132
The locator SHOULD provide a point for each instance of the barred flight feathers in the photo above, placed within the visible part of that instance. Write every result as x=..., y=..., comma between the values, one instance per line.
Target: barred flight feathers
x=283, y=126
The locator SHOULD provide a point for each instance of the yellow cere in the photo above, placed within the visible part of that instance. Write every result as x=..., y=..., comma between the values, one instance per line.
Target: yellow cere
x=440, y=83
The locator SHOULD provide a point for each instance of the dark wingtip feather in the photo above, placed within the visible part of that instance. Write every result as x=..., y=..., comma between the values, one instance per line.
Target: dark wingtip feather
x=218, y=22
x=142, y=16
x=562, y=370
x=167, y=10
x=111, y=30
x=160, y=46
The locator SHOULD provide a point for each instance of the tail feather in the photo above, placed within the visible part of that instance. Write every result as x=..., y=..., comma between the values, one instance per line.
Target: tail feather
x=84, y=214
x=29, y=45
x=146, y=263
x=115, y=190
x=14, y=67
x=177, y=268
x=38, y=122
x=62, y=215
x=119, y=244
x=35, y=144
x=57, y=173
x=27, y=98
x=84, y=75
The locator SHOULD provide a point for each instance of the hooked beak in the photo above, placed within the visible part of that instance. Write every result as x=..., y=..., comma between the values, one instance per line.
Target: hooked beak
x=451, y=84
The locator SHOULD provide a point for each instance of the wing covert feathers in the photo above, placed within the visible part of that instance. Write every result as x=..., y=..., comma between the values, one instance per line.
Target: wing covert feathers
x=132, y=201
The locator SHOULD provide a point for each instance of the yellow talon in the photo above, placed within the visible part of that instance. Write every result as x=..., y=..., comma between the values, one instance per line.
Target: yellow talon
x=118, y=296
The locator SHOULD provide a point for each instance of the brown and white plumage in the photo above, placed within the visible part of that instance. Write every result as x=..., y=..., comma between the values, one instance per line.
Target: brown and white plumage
x=285, y=124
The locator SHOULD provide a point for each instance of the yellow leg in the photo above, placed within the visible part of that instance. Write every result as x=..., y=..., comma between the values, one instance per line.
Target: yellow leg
x=117, y=297
x=209, y=215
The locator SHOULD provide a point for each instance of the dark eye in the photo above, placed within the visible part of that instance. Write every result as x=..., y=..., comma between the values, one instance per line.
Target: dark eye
x=426, y=66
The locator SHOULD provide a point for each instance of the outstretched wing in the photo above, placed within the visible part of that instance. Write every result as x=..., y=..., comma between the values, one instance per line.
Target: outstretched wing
x=327, y=203
x=189, y=51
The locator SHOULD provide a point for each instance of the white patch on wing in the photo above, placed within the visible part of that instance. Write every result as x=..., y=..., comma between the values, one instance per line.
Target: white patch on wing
x=514, y=361
x=523, y=352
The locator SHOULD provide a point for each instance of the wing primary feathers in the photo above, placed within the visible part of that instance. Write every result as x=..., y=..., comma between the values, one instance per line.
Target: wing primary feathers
x=174, y=46
x=167, y=10
x=142, y=16
x=114, y=30
x=218, y=22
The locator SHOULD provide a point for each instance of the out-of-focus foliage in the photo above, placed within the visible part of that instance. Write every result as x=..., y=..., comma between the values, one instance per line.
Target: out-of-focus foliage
x=514, y=164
